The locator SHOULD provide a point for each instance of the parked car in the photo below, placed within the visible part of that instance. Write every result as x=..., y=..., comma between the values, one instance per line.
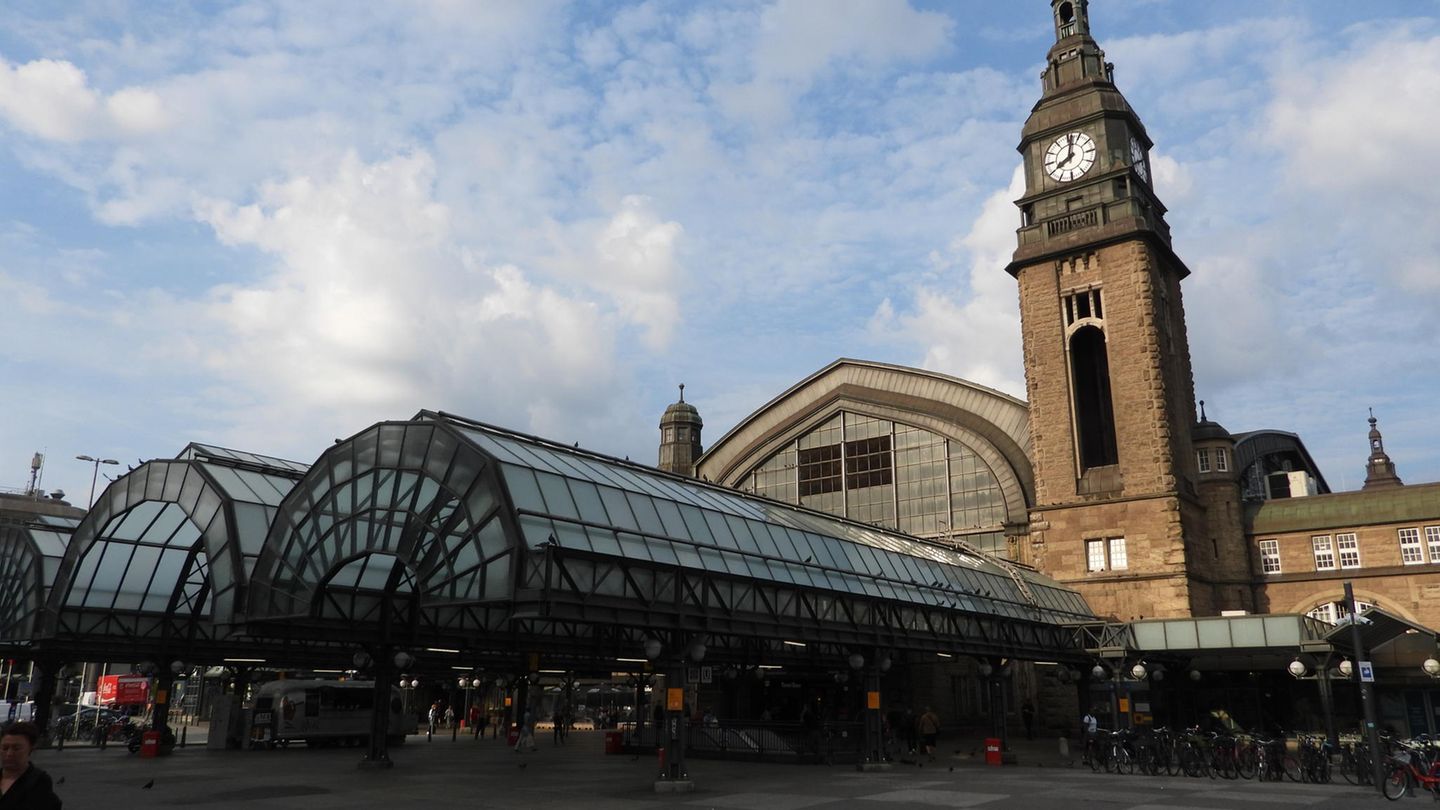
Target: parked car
x=65, y=719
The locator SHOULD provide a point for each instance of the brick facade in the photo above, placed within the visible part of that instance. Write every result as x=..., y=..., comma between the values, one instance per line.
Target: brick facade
x=1382, y=576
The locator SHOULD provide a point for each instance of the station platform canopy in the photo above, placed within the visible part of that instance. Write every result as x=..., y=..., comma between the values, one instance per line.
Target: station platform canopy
x=443, y=533
x=448, y=533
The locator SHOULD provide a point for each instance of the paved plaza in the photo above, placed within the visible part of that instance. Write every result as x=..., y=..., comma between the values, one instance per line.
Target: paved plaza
x=470, y=774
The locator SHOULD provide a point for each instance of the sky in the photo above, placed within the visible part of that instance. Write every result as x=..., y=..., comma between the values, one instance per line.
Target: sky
x=267, y=225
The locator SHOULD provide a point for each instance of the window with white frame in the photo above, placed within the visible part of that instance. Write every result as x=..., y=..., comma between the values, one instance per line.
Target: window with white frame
x=1270, y=556
x=1222, y=460
x=1094, y=555
x=1411, y=552
x=1106, y=555
x=1118, y=560
x=1202, y=457
x=1331, y=612
x=1349, y=547
x=1432, y=539
x=1324, y=552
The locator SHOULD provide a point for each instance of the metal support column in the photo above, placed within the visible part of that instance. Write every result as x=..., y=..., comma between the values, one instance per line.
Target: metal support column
x=378, y=755
x=677, y=725
x=1367, y=692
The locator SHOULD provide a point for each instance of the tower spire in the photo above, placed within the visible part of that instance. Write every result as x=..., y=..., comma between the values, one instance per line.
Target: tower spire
x=1379, y=469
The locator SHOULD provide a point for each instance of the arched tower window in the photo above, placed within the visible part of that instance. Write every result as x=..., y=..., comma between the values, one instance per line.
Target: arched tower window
x=1094, y=414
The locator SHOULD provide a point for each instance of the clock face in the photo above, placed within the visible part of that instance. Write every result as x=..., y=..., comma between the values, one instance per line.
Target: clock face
x=1070, y=156
x=1137, y=159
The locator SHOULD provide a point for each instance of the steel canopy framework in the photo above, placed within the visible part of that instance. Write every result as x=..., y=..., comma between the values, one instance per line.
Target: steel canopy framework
x=161, y=559
x=444, y=532
x=30, y=556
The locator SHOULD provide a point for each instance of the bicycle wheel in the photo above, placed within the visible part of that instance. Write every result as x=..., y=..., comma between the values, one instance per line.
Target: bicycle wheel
x=1346, y=767
x=1124, y=763
x=1097, y=757
x=1292, y=767
x=1396, y=784
x=1195, y=765
x=1248, y=762
x=1173, y=766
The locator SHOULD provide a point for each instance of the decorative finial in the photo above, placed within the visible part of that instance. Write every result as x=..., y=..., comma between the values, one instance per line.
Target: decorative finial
x=1202, y=410
x=1372, y=416
x=682, y=392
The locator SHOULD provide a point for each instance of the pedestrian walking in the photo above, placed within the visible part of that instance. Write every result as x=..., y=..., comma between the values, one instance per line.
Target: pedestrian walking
x=557, y=736
x=527, y=732
x=434, y=718
x=929, y=728
x=449, y=717
x=910, y=727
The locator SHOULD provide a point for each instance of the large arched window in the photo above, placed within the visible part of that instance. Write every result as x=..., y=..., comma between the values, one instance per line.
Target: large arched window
x=1094, y=413
x=891, y=475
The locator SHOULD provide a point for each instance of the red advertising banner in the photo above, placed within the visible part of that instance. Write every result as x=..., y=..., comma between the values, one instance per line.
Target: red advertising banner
x=123, y=689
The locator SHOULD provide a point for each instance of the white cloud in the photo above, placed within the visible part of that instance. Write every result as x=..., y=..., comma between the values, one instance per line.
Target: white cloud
x=52, y=99
x=798, y=41
x=375, y=307
x=970, y=327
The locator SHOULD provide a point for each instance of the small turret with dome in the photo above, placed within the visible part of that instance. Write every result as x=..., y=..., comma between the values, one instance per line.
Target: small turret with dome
x=1379, y=470
x=1214, y=447
x=680, y=437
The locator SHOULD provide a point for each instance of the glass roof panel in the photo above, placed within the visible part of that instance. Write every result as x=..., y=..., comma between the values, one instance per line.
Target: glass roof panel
x=197, y=450
x=632, y=497
x=51, y=544
x=524, y=490
x=132, y=524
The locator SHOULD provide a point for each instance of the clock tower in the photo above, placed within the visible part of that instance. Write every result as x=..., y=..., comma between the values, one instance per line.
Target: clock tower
x=1117, y=511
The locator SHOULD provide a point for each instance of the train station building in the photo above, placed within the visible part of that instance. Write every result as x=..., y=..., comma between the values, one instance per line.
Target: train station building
x=874, y=538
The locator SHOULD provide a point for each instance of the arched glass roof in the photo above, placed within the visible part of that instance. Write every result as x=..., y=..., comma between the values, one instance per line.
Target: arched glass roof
x=407, y=512
x=591, y=504
x=167, y=547
x=30, y=554
x=442, y=526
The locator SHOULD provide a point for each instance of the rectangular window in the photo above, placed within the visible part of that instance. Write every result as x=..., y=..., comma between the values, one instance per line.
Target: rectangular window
x=1324, y=553
x=868, y=463
x=1118, y=561
x=1222, y=460
x=1432, y=539
x=1094, y=555
x=1106, y=555
x=819, y=469
x=1349, y=547
x=1202, y=457
x=1411, y=552
x=1270, y=556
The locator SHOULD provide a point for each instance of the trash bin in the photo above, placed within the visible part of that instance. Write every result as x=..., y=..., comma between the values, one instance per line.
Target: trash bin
x=150, y=744
x=512, y=737
x=613, y=742
x=993, y=755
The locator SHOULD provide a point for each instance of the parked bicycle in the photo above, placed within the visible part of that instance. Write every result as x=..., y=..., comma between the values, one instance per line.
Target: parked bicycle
x=1412, y=763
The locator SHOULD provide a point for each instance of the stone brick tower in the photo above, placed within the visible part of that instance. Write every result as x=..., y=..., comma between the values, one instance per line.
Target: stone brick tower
x=680, y=427
x=1107, y=363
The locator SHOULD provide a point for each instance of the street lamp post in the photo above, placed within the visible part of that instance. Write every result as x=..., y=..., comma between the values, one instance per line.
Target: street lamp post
x=95, y=475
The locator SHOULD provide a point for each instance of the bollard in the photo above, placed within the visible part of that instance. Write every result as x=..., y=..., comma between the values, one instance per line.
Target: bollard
x=183, y=729
x=454, y=731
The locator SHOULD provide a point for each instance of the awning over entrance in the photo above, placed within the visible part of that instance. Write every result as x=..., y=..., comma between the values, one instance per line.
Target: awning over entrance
x=1377, y=629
